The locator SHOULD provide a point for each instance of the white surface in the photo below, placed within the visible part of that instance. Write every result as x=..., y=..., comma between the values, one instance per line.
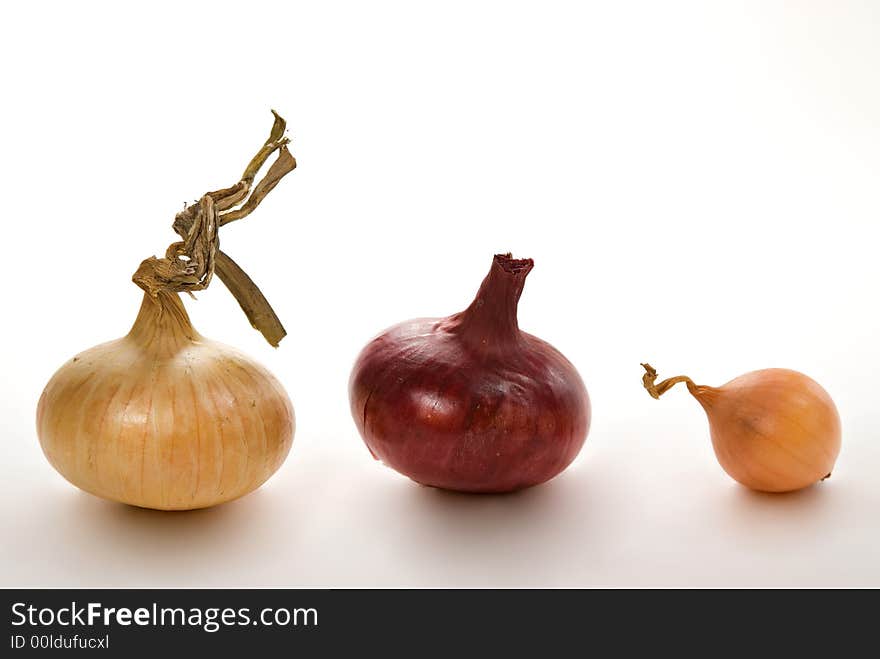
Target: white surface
x=697, y=183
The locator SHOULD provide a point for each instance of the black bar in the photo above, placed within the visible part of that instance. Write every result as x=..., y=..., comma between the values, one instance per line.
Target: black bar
x=427, y=621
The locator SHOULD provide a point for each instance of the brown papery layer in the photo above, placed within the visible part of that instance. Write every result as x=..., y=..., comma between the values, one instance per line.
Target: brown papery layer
x=163, y=417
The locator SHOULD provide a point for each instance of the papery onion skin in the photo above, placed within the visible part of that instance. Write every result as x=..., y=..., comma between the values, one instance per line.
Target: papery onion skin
x=470, y=402
x=773, y=430
x=164, y=418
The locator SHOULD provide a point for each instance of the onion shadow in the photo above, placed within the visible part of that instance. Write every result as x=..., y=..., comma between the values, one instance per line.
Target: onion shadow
x=447, y=539
x=99, y=543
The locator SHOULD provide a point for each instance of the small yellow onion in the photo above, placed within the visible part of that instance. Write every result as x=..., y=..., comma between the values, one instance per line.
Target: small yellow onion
x=773, y=430
x=163, y=417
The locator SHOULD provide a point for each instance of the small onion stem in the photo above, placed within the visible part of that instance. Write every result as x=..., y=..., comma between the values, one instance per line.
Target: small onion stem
x=657, y=390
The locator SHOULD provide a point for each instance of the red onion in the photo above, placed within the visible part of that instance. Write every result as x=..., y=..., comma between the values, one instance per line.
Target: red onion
x=470, y=402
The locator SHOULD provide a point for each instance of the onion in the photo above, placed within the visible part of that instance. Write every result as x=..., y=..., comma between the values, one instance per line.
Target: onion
x=773, y=430
x=470, y=402
x=163, y=417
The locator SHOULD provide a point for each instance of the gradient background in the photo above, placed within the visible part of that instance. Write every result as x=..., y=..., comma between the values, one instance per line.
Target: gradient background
x=697, y=183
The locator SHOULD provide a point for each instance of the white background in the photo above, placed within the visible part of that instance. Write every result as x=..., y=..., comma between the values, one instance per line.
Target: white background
x=697, y=183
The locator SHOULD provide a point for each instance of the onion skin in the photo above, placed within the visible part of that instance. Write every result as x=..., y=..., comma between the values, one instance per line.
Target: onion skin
x=164, y=418
x=469, y=402
x=773, y=430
